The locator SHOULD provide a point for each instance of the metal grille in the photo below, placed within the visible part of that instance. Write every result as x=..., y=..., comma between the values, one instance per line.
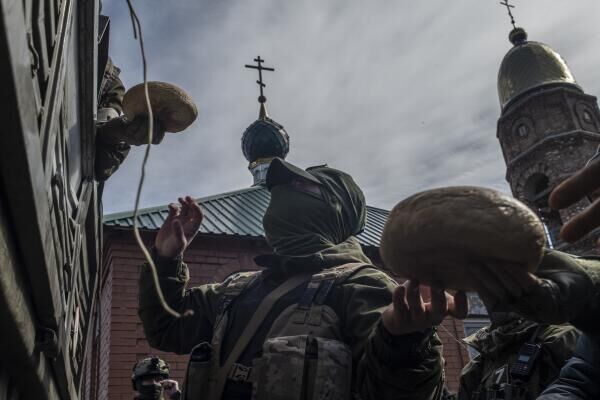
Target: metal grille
x=47, y=171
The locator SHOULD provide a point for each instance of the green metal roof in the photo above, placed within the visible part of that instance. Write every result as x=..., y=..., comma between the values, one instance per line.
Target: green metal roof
x=237, y=213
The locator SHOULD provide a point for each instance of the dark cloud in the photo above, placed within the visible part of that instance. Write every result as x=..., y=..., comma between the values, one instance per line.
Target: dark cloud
x=401, y=95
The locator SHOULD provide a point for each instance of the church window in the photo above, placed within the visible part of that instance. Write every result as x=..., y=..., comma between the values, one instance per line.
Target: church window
x=522, y=130
x=537, y=191
x=587, y=117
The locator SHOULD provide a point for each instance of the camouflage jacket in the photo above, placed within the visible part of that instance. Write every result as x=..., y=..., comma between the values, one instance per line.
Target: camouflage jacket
x=109, y=153
x=498, y=349
x=111, y=91
x=383, y=366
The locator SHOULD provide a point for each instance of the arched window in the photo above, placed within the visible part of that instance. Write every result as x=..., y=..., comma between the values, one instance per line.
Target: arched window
x=536, y=191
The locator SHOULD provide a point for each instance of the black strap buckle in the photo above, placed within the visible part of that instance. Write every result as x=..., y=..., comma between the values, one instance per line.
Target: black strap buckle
x=239, y=373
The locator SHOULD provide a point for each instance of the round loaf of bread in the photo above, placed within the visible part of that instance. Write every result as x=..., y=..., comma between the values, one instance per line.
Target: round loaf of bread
x=171, y=105
x=438, y=236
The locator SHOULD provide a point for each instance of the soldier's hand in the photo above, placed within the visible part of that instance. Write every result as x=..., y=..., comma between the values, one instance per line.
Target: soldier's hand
x=501, y=284
x=120, y=130
x=179, y=228
x=560, y=291
x=583, y=183
x=170, y=389
x=137, y=131
x=409, y=313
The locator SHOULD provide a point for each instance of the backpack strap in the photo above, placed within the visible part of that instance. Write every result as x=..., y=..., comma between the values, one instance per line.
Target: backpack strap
x=309, y=309
x=234, y=285
x=255, y=322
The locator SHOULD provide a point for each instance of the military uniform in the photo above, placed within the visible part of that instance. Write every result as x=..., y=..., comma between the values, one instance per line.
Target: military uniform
x=115, y=134
x=110, y=152
x=322, y=336
x=376, y=364
x=151, y=389
x=488, y=376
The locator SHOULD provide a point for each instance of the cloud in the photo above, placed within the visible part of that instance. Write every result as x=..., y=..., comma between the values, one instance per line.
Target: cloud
x=401, y=95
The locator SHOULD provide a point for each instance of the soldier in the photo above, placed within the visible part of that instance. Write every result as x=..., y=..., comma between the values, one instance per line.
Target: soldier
x=508, y=344
x=565, y=288
x=150, y=380
x=115, y=134
x=319, y=321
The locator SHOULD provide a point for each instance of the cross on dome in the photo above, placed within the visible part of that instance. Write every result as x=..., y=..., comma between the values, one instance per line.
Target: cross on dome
x=510, y=14
x=260, y=68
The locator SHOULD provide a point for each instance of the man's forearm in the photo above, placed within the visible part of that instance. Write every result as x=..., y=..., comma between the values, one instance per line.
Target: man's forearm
x=401, y=367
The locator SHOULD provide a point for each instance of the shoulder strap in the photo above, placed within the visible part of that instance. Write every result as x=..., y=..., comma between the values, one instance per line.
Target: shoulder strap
x=234, y=285
x=340, y=273
x=259, y=316
x=319, y=288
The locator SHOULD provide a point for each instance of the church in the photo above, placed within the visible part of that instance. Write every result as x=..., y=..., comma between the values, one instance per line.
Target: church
x=548, y=128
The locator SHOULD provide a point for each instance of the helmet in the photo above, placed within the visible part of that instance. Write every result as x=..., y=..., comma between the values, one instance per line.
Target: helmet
x=151, y=366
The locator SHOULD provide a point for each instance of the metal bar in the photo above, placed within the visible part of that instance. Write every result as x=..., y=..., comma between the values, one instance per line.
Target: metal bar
x=54, y=93
x=22, y=170
x=88, y=78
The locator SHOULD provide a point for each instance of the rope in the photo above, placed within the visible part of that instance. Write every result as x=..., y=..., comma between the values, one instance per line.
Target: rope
x=137, y=34
x=453, y=336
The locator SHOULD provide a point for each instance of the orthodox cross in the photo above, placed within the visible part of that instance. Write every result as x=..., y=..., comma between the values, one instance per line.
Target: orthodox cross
x=510, y=14
x=260, y=68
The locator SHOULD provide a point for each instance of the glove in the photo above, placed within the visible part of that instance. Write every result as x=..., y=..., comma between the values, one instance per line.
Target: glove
x=567, y=291
x=120, y=130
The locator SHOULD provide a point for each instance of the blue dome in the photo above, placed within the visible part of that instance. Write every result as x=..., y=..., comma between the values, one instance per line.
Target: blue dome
x=265, y=138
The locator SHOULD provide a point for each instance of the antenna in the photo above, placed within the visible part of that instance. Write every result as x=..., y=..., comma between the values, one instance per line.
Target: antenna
x=510, y=14
x=260, y=68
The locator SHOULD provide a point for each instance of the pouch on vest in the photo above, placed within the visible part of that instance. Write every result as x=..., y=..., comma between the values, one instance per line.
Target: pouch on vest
x=302, y=368
x=198, y=372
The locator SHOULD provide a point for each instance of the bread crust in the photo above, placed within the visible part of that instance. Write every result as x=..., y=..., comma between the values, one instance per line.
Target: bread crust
x=438, y=236
x=170, y=104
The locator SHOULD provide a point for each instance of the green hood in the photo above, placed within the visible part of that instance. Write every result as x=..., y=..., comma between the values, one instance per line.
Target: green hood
x=303, y=224
x=346, y=252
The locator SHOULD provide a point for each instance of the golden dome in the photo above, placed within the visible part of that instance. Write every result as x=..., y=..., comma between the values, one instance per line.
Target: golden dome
x=530, y=65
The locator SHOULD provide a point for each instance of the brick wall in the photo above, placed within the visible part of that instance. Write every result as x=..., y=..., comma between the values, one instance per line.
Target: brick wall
x=455, y=353
x=121, y=337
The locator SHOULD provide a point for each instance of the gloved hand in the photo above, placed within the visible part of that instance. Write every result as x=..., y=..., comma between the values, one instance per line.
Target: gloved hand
x=565, y=293
x=171, y=389
x=119, y=130
x=563, y=289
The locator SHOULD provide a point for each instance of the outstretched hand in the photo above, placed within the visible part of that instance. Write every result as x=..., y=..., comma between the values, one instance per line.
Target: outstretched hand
x=583, y=183
x=179, y=229
x=502, y=284
x=409, y=313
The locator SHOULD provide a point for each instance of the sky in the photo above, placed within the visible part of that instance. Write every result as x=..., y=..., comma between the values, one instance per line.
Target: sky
x=402, y=95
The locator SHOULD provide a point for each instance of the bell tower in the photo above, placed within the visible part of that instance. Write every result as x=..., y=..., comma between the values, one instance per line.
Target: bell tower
x=548, y=129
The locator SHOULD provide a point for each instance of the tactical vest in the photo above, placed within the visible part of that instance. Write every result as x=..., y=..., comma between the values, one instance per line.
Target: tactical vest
x=518, y=379
x=303, y=357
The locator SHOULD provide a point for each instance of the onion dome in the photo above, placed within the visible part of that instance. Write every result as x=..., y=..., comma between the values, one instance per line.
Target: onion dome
x=529, y=66
x=262, y=141
x=265, y=138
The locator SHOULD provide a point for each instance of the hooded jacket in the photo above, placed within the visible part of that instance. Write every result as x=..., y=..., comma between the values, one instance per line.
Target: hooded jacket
x=383, y=366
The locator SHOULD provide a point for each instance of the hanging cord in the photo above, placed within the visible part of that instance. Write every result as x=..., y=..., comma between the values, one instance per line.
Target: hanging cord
x=137, y=34
x=453, y=336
